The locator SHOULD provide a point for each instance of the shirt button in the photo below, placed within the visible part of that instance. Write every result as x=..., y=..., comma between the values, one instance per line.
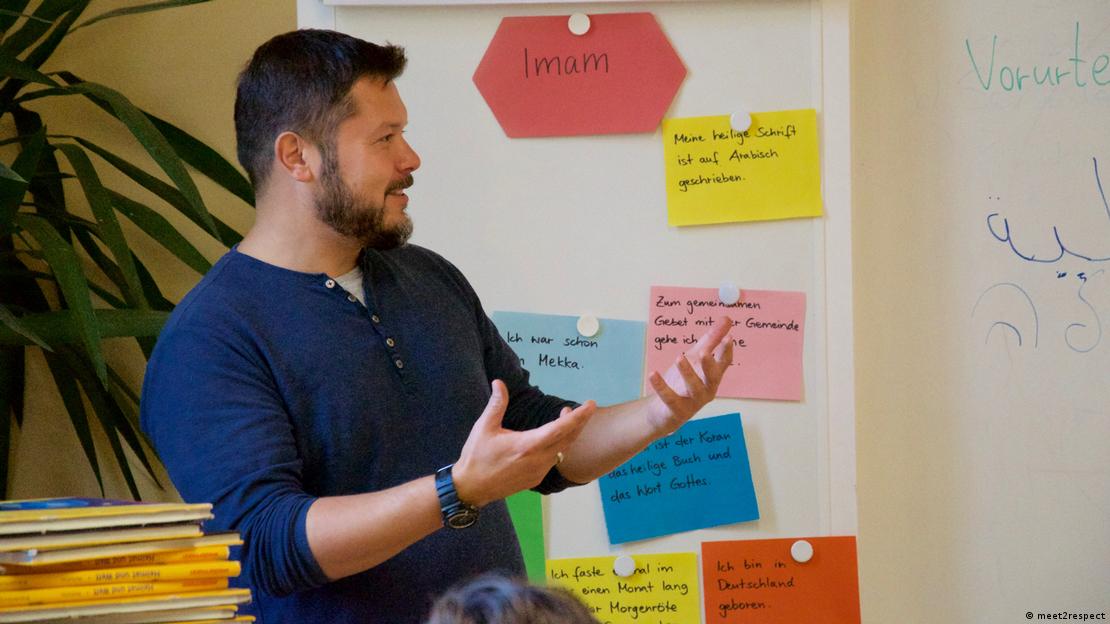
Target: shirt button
x=351, y=298
x=330, y=283
x=390, y=342
x=399, y=364
x=374, y=317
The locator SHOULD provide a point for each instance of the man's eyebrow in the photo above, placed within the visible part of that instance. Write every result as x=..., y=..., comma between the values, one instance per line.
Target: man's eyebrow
x=390, y=126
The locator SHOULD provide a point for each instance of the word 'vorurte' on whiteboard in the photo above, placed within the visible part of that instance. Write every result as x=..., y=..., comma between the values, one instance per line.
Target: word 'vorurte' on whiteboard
x=716, y=174
x=695, y=478
x=605, y=367
x=540, y=79
x=760, y=581
x=662, y=589
x=768, y=330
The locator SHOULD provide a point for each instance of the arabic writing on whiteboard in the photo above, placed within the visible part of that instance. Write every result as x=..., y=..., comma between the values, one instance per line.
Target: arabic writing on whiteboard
x=1081, y=336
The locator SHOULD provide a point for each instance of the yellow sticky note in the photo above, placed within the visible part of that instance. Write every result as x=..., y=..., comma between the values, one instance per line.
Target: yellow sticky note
x=717, y=175
x=662, y=590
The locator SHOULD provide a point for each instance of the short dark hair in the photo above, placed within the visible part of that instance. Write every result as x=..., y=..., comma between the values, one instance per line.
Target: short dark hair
x=301, y=81
x=496, y=599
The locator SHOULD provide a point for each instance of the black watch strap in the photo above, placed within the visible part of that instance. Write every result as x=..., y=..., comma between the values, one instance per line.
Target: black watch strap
x=456, y=514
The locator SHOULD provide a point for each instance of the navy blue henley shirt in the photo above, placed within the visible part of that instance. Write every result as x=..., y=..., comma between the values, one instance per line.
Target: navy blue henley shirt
x=269, y=388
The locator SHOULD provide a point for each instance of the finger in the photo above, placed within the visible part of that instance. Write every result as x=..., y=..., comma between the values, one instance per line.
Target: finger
x=572, y=435
x=662, y=390
x=494, y=413
x=578, y=419
x=719, y=352
x=554, y=434
x=694, y=384
x=710, y=339
x=725, y=359
x=707, y=365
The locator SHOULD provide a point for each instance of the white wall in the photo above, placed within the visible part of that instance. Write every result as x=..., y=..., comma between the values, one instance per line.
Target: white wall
x=984, y=464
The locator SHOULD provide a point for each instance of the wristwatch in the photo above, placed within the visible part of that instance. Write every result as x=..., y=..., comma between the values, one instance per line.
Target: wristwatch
x=456, y=514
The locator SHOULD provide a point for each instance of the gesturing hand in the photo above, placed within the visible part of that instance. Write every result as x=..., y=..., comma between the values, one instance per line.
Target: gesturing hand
x=496, y=462
x=686, y=388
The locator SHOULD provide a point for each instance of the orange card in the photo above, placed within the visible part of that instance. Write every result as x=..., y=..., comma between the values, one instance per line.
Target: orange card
x=760, y=581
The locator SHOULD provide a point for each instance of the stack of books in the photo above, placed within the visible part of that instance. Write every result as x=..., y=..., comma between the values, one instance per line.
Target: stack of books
x=92, y=561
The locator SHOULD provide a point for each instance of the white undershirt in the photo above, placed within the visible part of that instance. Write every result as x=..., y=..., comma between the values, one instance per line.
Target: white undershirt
x=351, y=281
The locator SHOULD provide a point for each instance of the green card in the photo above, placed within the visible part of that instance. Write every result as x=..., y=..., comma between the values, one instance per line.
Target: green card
x=526, y=510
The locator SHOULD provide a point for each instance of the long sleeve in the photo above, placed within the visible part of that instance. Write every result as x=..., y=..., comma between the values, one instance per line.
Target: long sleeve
x=270, y=388
x=216, y=420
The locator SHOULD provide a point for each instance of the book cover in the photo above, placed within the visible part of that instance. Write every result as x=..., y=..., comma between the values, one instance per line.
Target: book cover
x=95, y=522
x=52, y=509
x=136, y=604
x=71, y=539
x=196, y=615
x=36, y=557
x=100, y=576
x=191, y=555
x=111, y=591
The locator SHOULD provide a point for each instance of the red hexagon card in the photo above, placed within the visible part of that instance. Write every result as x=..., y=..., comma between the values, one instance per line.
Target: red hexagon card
x=540, y=79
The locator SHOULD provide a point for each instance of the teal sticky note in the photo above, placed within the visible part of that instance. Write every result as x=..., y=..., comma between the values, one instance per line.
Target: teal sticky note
x=606, y=367
x=526, y=511
x=695, y=478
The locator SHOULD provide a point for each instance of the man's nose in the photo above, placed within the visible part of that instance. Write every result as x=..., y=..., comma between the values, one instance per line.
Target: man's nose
x=410, y=160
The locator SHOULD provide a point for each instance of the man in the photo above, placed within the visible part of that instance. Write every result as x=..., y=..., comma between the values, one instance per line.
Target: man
x=341, y=396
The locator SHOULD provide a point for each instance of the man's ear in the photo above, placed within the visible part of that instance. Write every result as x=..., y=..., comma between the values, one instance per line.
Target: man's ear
x=296, y=157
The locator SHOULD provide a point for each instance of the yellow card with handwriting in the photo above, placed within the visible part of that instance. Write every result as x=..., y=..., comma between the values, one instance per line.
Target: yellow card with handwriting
x=662, y=589
x=716, y=174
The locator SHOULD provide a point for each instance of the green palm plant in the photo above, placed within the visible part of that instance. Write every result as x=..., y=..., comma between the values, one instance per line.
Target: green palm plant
x=67, y=281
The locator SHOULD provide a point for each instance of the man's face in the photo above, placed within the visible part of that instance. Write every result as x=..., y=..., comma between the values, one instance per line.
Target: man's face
x=367, y=167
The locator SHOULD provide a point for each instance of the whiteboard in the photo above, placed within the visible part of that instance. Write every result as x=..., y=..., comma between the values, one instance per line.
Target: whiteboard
x=985, y=438
x=578, y=224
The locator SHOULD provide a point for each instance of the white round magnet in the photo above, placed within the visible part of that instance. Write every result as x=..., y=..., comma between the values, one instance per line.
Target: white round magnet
x=801, y=551
x=579, y=23
x=741, y=121
x=588, y=325
x=624, y=566
x=729, y=293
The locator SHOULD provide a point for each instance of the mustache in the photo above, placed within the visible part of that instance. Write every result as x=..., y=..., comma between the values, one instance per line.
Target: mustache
x=401, y=184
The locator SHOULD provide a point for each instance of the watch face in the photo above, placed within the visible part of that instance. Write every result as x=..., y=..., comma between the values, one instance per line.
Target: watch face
x=462, y=518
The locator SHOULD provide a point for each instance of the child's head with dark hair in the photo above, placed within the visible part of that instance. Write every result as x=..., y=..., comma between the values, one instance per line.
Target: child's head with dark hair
x=495, y=599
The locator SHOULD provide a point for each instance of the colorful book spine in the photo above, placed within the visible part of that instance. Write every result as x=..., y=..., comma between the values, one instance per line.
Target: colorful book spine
x=192, y=555
x=121, y=609
x=104, y=576
x=107, y=592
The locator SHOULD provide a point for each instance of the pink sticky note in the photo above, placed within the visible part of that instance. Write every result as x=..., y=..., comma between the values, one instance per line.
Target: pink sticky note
x=540, y=79
x=767, y=336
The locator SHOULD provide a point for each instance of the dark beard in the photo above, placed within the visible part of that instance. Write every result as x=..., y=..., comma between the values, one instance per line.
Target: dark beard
x=357, y=217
